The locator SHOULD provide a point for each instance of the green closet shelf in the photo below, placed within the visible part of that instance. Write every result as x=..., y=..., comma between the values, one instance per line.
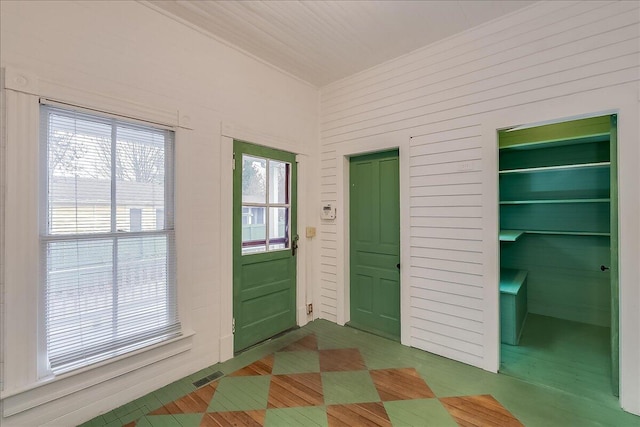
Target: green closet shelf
x=551, y=201
x=510, y=235
x=513, y=235
x=568, y=233
x=533, y=145
x=558, y=168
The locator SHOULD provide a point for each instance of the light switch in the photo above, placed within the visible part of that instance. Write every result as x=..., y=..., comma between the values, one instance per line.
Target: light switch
x=311, y=232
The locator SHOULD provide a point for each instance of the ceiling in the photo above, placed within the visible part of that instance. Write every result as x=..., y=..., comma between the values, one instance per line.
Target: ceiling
x=323, y=41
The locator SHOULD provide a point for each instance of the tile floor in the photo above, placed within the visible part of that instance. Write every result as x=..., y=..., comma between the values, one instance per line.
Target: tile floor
x=327, y=375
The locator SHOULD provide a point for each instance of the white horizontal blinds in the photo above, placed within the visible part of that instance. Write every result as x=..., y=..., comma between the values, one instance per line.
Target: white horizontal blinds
x=107, y=237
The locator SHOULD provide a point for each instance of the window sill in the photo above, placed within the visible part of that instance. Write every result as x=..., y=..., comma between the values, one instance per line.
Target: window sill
x=49, y=389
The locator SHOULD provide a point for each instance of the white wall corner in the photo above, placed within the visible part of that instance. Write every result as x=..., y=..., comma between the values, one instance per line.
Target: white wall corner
x=491, y=247
x=226, y=246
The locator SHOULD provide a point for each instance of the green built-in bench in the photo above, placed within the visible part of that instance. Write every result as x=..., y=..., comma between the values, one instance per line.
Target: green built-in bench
x=513, y=304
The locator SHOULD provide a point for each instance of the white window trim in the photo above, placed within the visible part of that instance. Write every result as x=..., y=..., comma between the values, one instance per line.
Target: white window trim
x=46, y=237
x=22, y=389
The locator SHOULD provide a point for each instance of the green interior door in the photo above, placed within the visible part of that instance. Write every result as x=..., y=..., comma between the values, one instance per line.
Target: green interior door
x=264, y=243
x=374, y=224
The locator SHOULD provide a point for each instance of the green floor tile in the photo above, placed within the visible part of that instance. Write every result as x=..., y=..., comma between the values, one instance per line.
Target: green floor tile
x=296, y=362
x=419, y=412
x=114, y=423
x=157, y=421
x=307, y=416
x=125, y=410
x=109, y=417
x=150, y=402
x=241, y=394
x=188, y=420
x=169, y=393
x=132, y=416
x=96, y=422
x=348, y=387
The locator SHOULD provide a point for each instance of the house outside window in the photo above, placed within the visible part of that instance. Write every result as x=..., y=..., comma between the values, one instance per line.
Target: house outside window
x=108, y=264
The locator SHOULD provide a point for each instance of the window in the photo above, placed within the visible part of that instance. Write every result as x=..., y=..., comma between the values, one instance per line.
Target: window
x=107, y=237
x=265, y=204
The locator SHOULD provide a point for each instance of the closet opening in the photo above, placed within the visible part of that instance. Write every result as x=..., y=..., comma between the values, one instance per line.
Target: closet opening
x=558, y=255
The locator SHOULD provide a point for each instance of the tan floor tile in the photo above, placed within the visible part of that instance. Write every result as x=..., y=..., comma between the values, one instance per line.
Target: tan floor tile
x=235, y=418
x=288, y=391
x=358, y=414
x=263, y=366
x=307, y=343
x=400, y=384
x=482, y=410
x=343, y=359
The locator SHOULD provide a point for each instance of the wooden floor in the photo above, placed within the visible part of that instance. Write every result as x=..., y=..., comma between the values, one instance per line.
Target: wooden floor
x=569, y=356
x=327, y=375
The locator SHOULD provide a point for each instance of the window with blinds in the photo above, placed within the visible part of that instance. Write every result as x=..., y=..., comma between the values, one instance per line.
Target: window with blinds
x=107, y=237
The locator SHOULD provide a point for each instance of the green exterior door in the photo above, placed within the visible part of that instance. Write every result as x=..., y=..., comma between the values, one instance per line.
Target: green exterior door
x=264, y=241
x=374, y=223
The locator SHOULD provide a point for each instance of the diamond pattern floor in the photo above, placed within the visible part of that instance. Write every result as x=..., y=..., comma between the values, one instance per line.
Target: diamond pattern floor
x=303, y=385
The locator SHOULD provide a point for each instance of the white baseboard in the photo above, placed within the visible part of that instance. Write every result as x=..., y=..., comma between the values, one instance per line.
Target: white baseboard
x=226, y=348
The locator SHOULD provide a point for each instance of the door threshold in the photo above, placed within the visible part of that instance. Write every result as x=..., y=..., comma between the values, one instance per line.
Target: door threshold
x=278, y=335
x=373, y=332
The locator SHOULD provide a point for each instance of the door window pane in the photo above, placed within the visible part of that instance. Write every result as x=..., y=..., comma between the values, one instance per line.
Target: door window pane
x=254, y=179
x=265, y=204
x=278, y=225
x=278, y=181
x=254, y=226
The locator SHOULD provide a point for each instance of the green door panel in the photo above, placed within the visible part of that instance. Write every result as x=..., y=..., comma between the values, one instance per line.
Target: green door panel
x=264, y=280
x=375, y=243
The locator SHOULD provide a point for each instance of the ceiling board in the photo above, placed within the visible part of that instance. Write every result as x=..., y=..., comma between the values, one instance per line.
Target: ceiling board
x=324, y=41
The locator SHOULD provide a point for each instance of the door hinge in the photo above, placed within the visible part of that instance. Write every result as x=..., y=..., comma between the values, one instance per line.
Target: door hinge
x=233, y=162
x=233, y=325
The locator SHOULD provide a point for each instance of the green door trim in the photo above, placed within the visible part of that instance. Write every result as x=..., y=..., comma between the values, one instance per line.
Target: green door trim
x=273, y=325
x=615, y=271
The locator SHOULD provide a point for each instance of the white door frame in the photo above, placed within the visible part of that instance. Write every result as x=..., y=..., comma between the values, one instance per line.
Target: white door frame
x=229, y=132
x=624, y=103
x=357, y=148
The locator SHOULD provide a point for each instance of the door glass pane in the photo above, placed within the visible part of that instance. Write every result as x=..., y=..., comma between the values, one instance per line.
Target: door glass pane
x=278, y=228
x=254, y=179
x=278, y=181
x=253, y=229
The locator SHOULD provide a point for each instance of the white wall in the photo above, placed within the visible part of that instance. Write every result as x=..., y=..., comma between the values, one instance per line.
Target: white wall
x=128, y=58
x=442, y=105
